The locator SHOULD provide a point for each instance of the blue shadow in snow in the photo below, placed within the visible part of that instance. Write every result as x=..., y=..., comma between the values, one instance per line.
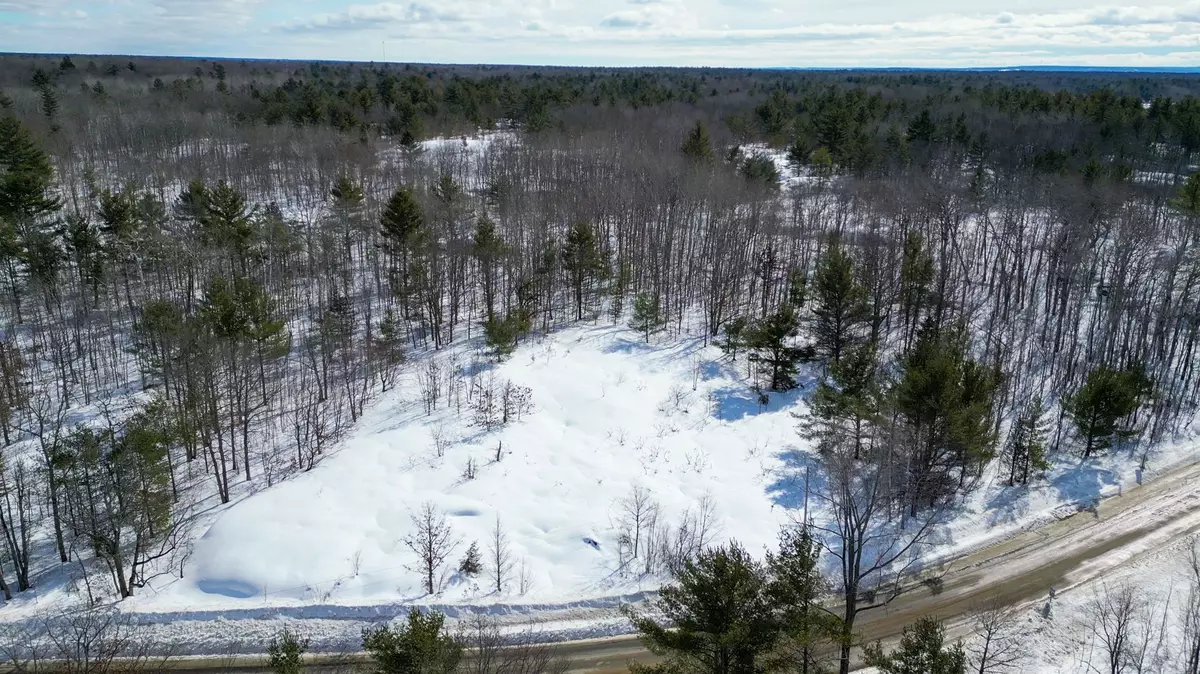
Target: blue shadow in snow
x=1081, y=486
x=738, y=402
x=787, y=490
x=234, y=589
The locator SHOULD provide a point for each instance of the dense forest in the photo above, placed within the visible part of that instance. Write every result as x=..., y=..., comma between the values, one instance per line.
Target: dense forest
x=210, y=268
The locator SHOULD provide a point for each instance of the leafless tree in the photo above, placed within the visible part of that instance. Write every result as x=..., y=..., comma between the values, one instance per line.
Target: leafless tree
x=500, y=560
x=1190, y=611
x=433, y=542
x=493, y=653
x=874, y=550
x=1115, y=615
x=637, y=513
x=996, y=647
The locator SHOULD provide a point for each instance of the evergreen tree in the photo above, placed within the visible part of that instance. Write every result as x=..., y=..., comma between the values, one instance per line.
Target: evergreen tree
x=847, y=403
x=916, y=274
x=720, y=615
x=50, y=106
x=26, y=178
x=947, y=401
x=285, y=653
x=647, y=315
x=501, y=334
x=402, y=221
x=66, y=64
x=840, y=303
x=922, y=129
x=402, y=226
x=1027, y=443
x=472, y=562
x=26, y=175
x=1187, y=199
x=697, y=146
x=736, y=332
x=1108, y=398
x=489, y=249
x=771, y=343
x=760, y=169
x=796, y=588
x=421, y=646
x=583, y=261
x=922, y=650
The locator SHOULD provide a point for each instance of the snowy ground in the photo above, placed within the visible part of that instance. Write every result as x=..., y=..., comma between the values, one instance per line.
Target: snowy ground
x=1061, y=636
x=610, y=413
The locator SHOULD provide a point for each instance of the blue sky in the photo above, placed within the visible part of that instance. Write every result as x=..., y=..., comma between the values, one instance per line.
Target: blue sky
x=934, y=33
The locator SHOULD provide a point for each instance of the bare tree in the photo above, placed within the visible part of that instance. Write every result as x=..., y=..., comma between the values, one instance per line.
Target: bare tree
x=500, y=561
x=1191, y=612
x=996, y=647
x=433, y=542
x=636, y=516
x=100, y=640
x=493, y=653
x=870, y=545
x=1115, y=616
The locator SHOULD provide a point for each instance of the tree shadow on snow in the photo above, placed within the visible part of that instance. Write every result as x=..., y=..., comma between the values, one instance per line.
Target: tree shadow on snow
x=788, y=488
x=734, y=403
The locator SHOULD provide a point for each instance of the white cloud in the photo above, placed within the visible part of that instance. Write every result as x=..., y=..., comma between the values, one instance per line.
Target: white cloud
x=621, y=32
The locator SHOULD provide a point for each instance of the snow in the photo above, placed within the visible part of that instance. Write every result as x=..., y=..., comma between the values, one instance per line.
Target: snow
x=1057, y=635
x=610, y=413
x=326, y=547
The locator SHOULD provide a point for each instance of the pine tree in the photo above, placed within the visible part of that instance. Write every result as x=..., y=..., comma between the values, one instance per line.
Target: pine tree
x=847, y=403
x=1187, y=200
x=489, y=249
x=647, y=315
x=719, y=612
x=50, y=106
x=760, y=169
x=916, y=274
x=421, y=646
x=796, y=588
x=285, y=653
x=736, y=332
x=697, y=146
x=922, y=129
x=583, y=261
x=922, y=650
x=1107, y=398
x=1027, y=443
x=840, y=303
x=26, y=175
x=472, y=562
x=402, y=221
x=947, y=401
x=771, y=344
x=501, y=334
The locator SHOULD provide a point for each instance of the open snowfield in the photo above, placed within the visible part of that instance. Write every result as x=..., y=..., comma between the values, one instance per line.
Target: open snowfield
x=609, y=414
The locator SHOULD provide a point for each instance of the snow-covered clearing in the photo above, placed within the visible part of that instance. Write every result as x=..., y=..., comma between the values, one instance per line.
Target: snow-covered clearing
x=609, y=413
